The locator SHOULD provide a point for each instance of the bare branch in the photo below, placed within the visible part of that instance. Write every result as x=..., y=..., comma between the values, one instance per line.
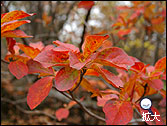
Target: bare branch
x=26, y=111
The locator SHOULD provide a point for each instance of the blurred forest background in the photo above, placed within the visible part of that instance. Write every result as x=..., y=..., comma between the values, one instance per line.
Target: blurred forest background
x=137, y=27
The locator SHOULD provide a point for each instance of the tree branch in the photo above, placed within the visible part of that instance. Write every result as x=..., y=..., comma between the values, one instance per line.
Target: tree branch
x=79, y=103
x=85, y=109
x=26, y=111
x=84, y=30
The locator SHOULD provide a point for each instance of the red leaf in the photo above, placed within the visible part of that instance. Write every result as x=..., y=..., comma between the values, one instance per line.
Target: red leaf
x=14, y=15
x=75, y=63
x=66, y=46
x=62, y=113
x=48, y=57
x=66, y=78
x=156, y=84
x=36, y=67
x=108, y=76
x=123, y=32
x=15, y=33
x=92, y=43
x=118, y=112
x=114, y=57
x=38, y=45
x=18, y=69
x=39, y=91
x=86, y=4
x=11, y=42
x=102, y=100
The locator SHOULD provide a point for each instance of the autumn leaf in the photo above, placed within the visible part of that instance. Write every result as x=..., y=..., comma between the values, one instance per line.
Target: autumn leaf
x=65, y=78
x=118, y=112
x=9, y=22
x=15, y=34
x=48, y=57
x=86, y=85
x=14, y=15
x=156, y=84
x=92, y=72
x=161, y=64
x=36, y=67
x=18, y=69
x=75, y=62
x=114, y=57
x=10, y=43
x=38, y=45
x=102, y=100
x=66, y=46
x=86, y=4
x=62, y=113
x=29, y=51
x=108, y=76
x=92, y=43
x=39, y=91
x=123, y=32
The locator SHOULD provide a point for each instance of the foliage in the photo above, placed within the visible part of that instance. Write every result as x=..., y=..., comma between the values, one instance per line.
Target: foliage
x=134, y=81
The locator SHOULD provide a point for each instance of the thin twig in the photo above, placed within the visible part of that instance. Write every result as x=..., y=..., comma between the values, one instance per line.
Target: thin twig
x=2, y=60
x=85, y=109
x=79, y=103
x=84, y=30
x=26, y=111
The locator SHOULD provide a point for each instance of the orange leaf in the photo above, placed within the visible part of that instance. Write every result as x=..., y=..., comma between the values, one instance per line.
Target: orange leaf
x=29, y=51
x=85, y=84
x=114, y=57
x=92, y=43
x=118, y=112
x=161, y=64
x=86, y=4
x=14, y=15
x=39, y=91
x=15, y=33
x=65, y=78
x=92, y=72
x=12, y=25
x=108, y=76
x=62, y=113
x=18, y=69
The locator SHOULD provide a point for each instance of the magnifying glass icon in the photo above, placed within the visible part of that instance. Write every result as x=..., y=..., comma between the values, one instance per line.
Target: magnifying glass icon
x=146, y=104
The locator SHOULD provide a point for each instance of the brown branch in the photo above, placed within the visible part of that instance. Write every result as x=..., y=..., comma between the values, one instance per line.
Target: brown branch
x=26, y=111
x=84, y=30
x=2, y=60
x=79, y=103
x=85, y=109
